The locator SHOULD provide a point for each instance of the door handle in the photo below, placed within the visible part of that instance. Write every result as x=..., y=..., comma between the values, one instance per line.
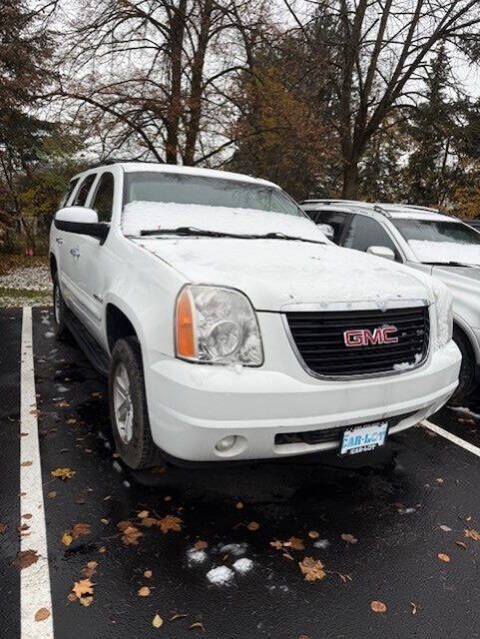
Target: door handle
x=59, y=240
x=75, y=252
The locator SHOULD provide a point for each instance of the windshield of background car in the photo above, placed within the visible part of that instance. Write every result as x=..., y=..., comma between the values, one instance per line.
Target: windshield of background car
x=216, y=192
x=440, y=241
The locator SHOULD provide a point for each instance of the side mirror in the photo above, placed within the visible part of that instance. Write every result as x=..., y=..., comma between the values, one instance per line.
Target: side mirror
x=81, y=220
x=327, y=229
x=381, y=251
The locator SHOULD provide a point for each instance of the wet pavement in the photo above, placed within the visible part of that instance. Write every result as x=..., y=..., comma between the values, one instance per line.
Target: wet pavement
x=377, y=528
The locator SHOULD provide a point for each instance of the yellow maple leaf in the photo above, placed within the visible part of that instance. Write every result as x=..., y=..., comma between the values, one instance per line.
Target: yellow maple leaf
x=313, y=569
x=63, y=473
x=471, y=533
x=378, y=606
x=170, y=522
x=67, y=538
x=157, y=621
x=131, y=536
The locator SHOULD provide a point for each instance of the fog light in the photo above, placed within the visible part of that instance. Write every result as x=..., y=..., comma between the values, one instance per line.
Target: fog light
x=226, y=443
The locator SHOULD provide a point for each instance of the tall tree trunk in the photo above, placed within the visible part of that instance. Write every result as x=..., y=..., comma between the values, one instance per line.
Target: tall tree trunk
x=350, y=179
x=177, y=32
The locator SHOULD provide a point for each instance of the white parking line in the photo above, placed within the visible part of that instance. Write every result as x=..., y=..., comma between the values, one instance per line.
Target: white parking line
x=452, y=438
x=35, y=591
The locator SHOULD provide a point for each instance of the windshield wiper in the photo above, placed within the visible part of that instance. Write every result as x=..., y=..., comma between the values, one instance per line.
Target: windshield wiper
x=451, y=263
x=192, y=231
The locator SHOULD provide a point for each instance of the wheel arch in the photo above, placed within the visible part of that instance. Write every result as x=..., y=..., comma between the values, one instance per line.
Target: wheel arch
x=120, y=323
x=460, y=325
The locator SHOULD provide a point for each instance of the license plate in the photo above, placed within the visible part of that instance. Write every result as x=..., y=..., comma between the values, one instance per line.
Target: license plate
x=363, y=438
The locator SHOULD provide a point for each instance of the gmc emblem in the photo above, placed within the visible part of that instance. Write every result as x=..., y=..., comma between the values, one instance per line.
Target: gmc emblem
x=364, y=337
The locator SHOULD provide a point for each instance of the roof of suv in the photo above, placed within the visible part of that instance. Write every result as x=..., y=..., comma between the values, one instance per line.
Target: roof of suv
x=129, y=167
x=399, y=211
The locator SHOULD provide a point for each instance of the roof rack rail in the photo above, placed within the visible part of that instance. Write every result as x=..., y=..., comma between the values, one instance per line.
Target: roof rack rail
x=110, y=161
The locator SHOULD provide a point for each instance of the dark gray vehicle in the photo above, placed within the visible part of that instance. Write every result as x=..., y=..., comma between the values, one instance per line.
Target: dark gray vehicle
x=424, y=239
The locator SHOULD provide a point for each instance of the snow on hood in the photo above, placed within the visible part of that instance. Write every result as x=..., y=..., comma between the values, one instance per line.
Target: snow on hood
x=138, y=216
x=276, y=274
x=427, y=251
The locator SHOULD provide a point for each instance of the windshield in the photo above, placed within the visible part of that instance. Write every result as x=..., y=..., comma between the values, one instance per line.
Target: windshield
x=438, y=241
x=150, y=186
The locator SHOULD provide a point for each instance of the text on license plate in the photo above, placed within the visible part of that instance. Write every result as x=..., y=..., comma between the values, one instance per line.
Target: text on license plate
x=363, y=438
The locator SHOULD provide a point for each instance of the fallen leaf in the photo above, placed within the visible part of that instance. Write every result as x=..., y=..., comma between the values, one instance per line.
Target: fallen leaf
x=52, y=494
x=105, y=521
x=147, y=574
x=445, y=528
x=200, y=545
x=378, y=606
x=102, y=549
x=27, y=516
x=239, y=505
x=83, y=591
x=472, y=534
x=414, y=608
x=131, y=536
x=350, y=539
x=63, y=473
x=313, y=534
x=143, y=514
x=157, y=621
x=81, y=529
x=344, y=577
x=461, y=544
x=26, y=463
x=89, y=569
x=148, y=522
x=303, y=637
x=253, y=526
x=42, y=614
x=170, y=522
x=3, y=529
x=287, y=555
x=62, y=405
x=178, y=615
x=439, y=480
x=278, y=545
x=198, y=625
x=313, y=569
x=144, y=591
x=67, y=538
x=294, y=543
x=123, y=525
x=26, y=558
x=443, y=557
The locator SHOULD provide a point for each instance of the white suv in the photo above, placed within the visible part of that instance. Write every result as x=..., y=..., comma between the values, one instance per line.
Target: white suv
x=231, y=329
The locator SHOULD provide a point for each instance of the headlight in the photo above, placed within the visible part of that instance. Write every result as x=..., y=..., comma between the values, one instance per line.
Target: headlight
x=443, y=312
x=217, y=326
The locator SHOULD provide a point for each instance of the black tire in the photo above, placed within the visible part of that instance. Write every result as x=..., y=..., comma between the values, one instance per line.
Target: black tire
x=140, y=451
x=61, y=330
x=466, y=378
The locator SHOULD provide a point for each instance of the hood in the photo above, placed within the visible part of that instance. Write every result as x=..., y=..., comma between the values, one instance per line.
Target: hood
x=278, y=274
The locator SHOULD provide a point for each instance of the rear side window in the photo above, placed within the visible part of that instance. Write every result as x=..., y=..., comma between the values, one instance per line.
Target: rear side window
x=103, y=200
x=364, y=232
x=84, y=190
x=336, y=219
x=66, y=197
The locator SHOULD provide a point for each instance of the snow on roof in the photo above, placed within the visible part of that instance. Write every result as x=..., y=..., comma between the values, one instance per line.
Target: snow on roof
x=130, y=167
x=416, y=214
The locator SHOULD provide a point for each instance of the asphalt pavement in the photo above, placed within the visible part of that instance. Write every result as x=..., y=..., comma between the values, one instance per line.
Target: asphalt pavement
x=303, y=549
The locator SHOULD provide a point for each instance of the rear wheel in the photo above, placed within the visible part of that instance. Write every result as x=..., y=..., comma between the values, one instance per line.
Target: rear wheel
x=61, y=329
x=466, y=378
x=128, y=407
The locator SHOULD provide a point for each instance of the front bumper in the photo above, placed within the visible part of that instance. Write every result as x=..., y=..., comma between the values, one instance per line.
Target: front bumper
x=191, y=407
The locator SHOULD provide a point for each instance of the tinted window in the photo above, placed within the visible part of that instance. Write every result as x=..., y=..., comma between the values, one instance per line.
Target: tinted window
x=103, y=200
x=365, y=232
x=84, y=190
x=336, y=219
x=181, y=188
x=66, y=197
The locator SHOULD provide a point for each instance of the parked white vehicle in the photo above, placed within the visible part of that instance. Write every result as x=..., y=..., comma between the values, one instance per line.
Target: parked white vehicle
x=424, y=239
x=231, y=328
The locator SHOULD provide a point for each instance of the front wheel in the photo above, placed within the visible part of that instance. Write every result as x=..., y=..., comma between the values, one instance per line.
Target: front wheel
x=128, y=407
x=466, y=377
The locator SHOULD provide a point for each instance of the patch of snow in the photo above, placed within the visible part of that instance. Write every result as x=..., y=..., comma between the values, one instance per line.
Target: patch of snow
x=427, y=251
x=196, y=556
x=62, y=389
x=243, y=565
x=116, y=466
x=406, y=511
x=322, y=544
x=234, y=549
x=138, y=216
x=445, y=528
x=220, y=576
x=49, y=334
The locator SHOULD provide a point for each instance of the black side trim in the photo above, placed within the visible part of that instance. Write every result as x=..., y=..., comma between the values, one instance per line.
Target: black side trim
x=99, y=359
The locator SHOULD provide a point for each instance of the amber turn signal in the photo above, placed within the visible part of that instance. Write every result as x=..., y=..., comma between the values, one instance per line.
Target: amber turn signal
x=185, y=327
